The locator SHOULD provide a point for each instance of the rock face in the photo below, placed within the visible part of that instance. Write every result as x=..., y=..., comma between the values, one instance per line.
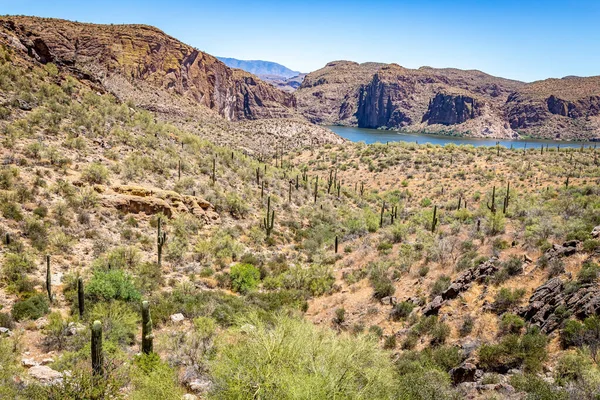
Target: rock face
x=463, y=282
x=136, y=199
x=546, y=299
x=465, y=372
x=447, y=109
x=566, y=249
x=143, y=55
x=374, y=95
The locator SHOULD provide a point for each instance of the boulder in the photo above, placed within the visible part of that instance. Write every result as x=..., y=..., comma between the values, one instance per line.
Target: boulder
x=596, y=232
x=465, y=372
x=177, y=318
x=434, y=306
x=44, y=374
x=29, y=362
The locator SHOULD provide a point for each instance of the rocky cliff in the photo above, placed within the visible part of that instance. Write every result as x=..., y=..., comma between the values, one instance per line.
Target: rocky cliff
x=140, y=63
x=450, y=101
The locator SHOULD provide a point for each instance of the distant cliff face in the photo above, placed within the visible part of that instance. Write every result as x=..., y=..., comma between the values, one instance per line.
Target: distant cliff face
x=447, y=109
x=259, y=67
x=145, y=57
x=389, y=96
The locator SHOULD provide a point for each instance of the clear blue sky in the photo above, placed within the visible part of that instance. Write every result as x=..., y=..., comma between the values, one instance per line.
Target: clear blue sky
x=526, y=40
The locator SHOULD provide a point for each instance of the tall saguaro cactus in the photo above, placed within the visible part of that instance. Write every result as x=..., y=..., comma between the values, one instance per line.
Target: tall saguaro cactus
x=48, y=279
x=147, y=335
x=492, y=206
x=434, y=219
x=97, y=356
x=269, y=220
x=80, y=297
x=161, y=238
x=507, y=197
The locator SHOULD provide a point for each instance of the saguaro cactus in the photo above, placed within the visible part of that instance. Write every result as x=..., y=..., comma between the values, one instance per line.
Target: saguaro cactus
x=336, y=245
x=381, y=217
x=506, y=198
x=147, y=335
x=214, y=171
x=316, y=188
x=492, y=206
x=269, y=219
x=7, y=239
x=161, y=238
x=48, y=279
x=80, y=297
x=434, y=219
x=97, y=356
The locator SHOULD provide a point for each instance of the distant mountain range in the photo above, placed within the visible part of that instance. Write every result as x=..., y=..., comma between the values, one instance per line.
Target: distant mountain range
x=260, y=68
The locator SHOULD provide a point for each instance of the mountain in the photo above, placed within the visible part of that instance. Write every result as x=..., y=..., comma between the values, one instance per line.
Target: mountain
x=450, y=101
x=259, y=67
x=143, y=63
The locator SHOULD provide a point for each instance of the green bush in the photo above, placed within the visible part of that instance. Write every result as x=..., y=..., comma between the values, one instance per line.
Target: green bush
x=111, y=285
x=511, y=323
x=33, y=307
x=154, y=379
x=588, y=273
x=401, y=310
x=506, y=299
x=349, y=367
x=95, y=173
x=537, y=388
x=440, y=285
x=382, y=284
x=244, y=278
x=119, y=321
x=515, y=351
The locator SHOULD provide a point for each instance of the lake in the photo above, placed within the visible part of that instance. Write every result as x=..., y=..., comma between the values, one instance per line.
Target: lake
x=375, y=135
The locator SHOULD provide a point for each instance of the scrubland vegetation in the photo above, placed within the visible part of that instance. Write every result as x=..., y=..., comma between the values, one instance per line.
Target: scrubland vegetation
x=300, y=275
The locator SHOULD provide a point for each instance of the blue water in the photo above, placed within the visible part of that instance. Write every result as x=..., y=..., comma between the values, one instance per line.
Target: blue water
x=375, y=135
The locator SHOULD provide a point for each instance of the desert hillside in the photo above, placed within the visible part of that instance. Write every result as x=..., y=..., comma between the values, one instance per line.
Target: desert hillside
x=450, y=101
x=174, y=254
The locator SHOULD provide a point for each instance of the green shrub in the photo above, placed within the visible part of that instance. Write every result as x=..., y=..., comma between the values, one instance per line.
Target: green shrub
x=515, y=351
x=440, y=285
x=401, y=310
x=33, y=307
x=244, y=278
x=537, y=388
x=382, y=284
x=349, y=367
x=572, y=333
x=588, y=273
x=111, y=285
x=511, y=323
x=154, y=379
x=506, y=299
x=95, y=173
x=119, y=321
x=315, y=279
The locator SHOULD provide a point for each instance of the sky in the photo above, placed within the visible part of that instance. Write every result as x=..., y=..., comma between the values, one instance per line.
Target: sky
x=526, y=40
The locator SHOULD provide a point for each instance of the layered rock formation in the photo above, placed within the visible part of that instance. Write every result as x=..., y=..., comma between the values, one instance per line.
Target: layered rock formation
x=472, y=103
x=134, y=61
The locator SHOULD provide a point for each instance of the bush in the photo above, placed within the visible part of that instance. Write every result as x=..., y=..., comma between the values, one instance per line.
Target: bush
x=515, y=351
x=588, y=273
x=467, y=326
x=349, y=367
x=111, y=285
x=315, y=279
x=119, y=321
x=506, y=299
x=33, y=307
x=95, y=173
x=537, y=388
x=511, y=324
x=440, y=285
x=154, y=379
x=244, y=278
x=382, y=284
x=402, y=310
x=340, y=315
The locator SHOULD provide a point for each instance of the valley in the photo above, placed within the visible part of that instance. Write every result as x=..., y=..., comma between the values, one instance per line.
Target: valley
x=173, y=228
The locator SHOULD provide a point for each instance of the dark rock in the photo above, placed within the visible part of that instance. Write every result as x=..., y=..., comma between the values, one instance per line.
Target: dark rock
x=449, y=109
x=434, y=306
x=596, y=232
x=463, y=373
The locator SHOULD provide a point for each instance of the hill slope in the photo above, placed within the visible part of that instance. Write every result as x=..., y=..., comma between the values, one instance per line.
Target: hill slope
x=450, y=101
x=144, y=64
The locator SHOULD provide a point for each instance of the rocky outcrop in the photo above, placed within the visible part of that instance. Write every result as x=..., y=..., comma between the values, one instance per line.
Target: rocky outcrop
x=136, y=199
x=465, y=372
x=448, y=109
x=375, y=106
x=580, y=108
x=551, y=297
x=566, y=249
x=464, y=281
x=144, y=56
